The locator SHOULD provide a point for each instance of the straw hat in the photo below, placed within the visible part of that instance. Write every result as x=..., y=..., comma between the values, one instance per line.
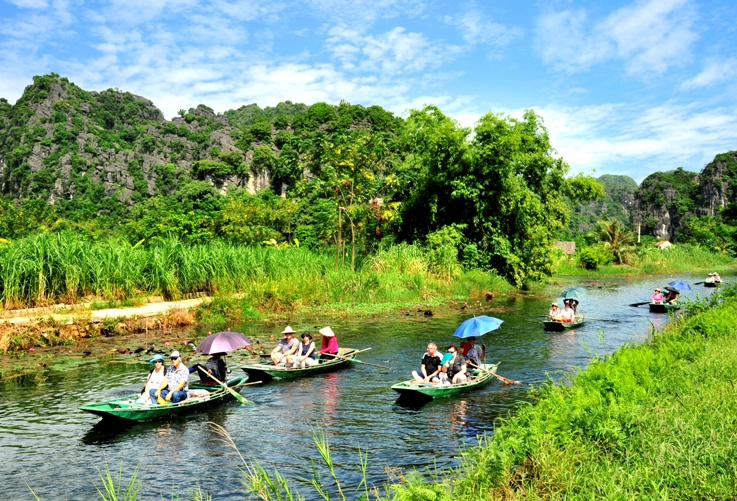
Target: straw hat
x=288, y=330
x=327, y=331
x=555, y=304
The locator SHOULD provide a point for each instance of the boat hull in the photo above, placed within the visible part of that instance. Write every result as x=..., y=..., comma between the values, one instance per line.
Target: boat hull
x=267, y=372
x=711, y=284
x=125, y=409
x=428, y=391
x=663, y=308
x=554, y=326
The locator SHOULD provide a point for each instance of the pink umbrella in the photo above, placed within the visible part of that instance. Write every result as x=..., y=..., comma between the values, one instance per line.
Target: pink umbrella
x=222, y=342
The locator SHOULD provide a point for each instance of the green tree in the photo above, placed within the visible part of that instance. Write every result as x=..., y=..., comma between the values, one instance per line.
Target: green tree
x=615, y=237
x=506, y=186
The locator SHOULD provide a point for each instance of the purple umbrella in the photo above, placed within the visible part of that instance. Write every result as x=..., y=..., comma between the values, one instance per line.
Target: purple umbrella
x=222, y=342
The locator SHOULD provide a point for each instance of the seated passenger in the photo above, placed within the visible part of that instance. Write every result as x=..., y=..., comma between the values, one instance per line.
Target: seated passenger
x=287, y=347
x=717, y=278
x=430, y=365
x=671, y=297
x=456, y=366
x=305, y=356
x=329, y=343
x=554, y=312
x=657, y=297
x=568, y=315
x=155, y=377
x=174, y=386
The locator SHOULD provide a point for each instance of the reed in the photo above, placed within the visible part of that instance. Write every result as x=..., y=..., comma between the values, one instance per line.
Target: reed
x=681, y=258
x=47, y=269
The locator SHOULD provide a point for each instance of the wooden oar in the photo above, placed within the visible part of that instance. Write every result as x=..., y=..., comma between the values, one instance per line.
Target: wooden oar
x=232, y=392
x=640, y=304
x=500, y=378
x=367, y=363
x=602, y=319
x=698, y=283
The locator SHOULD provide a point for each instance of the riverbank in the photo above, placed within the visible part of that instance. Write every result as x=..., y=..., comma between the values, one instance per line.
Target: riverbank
x=681, y=258
x=652, y=421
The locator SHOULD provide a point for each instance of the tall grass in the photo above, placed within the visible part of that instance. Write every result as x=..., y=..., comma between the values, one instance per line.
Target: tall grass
x=681, y=258
x=46, y=269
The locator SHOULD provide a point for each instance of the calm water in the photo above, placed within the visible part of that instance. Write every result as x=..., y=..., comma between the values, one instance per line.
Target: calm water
x=46, y=441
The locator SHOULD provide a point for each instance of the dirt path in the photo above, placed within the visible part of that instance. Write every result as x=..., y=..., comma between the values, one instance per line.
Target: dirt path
x=147, y=310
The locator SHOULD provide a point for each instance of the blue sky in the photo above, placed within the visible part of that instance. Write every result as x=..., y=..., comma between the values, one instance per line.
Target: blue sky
x=624, y=87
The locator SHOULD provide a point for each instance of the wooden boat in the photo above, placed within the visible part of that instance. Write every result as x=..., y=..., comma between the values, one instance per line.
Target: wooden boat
x=127, y=409
x=663, y=307
x=425, y=391
x=711, y=283
x=554, y=325
x=263, y=371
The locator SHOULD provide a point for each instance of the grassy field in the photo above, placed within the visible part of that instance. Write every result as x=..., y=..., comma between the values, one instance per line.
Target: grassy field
x=681, y=258
x=48, y=269
x=654, y=421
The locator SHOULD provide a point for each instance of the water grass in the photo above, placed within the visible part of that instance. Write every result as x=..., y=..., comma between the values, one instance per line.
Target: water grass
x=47, y=269
x=681, y=258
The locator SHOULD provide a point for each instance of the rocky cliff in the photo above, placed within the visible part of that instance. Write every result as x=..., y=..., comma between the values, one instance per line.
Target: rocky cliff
x=616, y=204
x=59, y=140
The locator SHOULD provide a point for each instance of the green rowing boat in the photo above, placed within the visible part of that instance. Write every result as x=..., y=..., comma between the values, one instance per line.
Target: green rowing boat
x=413, y=390
x=664, y=307
x=127, y=409
x=268, y=371
x=554, y=325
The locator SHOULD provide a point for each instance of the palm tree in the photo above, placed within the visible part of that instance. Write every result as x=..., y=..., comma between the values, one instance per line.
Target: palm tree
x=618, y=239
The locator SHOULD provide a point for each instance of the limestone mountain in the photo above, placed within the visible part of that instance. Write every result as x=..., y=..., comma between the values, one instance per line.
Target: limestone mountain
x=616, y=204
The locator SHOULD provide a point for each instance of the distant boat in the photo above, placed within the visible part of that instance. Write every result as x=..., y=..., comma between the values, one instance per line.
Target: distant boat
x=554, y=325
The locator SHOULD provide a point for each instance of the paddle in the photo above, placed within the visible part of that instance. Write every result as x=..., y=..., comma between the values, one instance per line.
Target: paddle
x=232, y=392
x=602, y=319
x=698, y=283
x=640, y=304
x=373, y=365
x=500, y=378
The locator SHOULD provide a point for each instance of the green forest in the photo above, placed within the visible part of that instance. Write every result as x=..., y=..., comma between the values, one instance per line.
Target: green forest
x=355, y=178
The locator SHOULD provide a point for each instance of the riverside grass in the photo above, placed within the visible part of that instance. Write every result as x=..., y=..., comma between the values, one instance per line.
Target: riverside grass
x=681, y=258
x=50, y=268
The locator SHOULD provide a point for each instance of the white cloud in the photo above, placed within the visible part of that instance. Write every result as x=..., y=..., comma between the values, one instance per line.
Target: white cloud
x=638, y=141
x=476, y=30
x=715, y=71
x=360, y=14
x=395, y=51
x=30, y=4
x=648, y=36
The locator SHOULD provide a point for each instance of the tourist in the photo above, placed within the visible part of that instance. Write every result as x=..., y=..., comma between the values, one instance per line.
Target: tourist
x=305, y=356
x=717, y=278
x=456, y=366
x=554, y=312
x=285, y=349
x=429, y=366
x=568, y=314
x=657, y=297
x=329, y=342
x=155, y=377
x=174, y=386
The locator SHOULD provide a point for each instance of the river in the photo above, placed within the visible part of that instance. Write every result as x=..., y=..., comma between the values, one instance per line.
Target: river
x=47, y=443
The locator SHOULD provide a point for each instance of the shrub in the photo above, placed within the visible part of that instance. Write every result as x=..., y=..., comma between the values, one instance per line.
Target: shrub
x=591, y=258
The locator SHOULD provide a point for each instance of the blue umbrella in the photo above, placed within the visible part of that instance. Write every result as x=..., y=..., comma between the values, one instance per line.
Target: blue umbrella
x=680, y=284
x=574, y=293
x=477, y=326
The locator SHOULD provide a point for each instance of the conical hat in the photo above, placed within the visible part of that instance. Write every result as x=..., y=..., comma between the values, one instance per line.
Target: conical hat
x=288, y=330
x=327, y=331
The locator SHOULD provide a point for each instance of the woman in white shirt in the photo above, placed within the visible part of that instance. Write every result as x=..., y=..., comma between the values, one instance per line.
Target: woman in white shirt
x=155, y=377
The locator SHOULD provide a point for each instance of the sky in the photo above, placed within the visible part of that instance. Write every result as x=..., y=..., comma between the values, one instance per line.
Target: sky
x=624, y=87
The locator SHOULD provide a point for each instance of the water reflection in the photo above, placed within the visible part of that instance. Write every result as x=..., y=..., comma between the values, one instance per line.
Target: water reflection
x=356, y=406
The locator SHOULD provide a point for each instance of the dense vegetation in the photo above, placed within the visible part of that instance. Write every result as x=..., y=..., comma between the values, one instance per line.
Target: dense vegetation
x=615, y=204
x=354, y=179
